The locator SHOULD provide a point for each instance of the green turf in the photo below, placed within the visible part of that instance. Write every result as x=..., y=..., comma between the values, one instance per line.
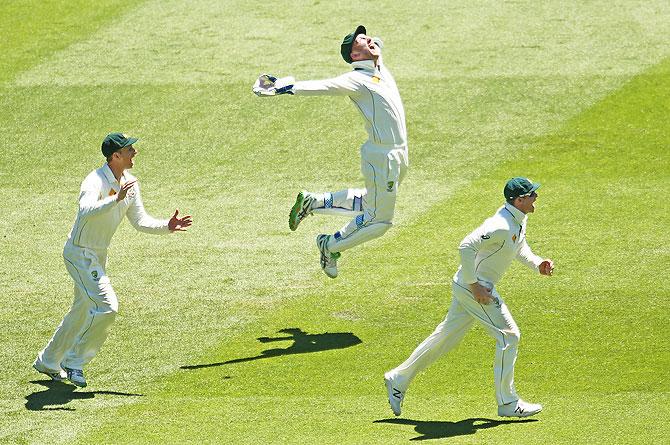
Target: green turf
x=575, y=98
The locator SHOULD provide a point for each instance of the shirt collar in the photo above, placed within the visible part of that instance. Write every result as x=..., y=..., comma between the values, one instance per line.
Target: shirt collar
x=517, y=214
x=365, y=65
x=109, y=174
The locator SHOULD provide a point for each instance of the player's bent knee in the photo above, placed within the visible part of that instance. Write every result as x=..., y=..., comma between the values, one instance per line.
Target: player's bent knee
x=513, y=337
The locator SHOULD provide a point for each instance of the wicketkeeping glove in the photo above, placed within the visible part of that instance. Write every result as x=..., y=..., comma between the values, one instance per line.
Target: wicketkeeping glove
x=269, y=85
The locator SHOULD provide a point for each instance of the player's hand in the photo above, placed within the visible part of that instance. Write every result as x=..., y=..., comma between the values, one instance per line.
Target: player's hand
x=546, y=267
x=179, y=224
x=124, y=190
x=269, y=85
x=481, y=293
x=264, y=85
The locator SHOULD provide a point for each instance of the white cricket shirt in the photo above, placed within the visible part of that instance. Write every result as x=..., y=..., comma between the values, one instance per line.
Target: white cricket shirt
x=488, y=251
x=100, y=214
x=376, y=96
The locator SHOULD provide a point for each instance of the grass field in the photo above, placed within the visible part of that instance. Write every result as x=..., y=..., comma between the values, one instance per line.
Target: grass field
x=575, y=95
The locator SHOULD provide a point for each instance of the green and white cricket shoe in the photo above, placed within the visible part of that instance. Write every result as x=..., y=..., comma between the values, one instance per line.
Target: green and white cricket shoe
x=301, y=208
x=519, y=409
x=57, y=375
x=76, y=377
x=328, y=258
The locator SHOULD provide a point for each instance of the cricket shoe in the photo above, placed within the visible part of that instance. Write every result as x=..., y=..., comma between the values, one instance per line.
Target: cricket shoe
x=75, y=376
x=57, y=375
x=395, y=395
x=519, y=409
x=301, y=208
x=328, y=258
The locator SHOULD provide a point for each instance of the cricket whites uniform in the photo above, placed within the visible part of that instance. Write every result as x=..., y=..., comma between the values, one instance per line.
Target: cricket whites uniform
x=85, y=327
x=384, y=156
x=486, y=254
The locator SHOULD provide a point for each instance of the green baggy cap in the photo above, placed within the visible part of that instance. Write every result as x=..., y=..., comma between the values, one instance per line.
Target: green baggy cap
x=114, y=142
x=348, y=42
x=518, y=186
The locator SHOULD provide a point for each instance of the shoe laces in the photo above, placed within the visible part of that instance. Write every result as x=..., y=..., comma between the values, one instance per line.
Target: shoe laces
x=306, y=208
x=76, y=372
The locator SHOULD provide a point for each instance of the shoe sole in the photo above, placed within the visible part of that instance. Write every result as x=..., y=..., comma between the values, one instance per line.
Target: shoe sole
x=55, y=378
x=520, y=415
x=78, y=384
x=293, y=220
x=389, y=392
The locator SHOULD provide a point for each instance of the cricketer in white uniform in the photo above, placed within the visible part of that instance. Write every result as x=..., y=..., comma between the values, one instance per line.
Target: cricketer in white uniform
x=486, y=254
x=384, y=156
x=107, y=195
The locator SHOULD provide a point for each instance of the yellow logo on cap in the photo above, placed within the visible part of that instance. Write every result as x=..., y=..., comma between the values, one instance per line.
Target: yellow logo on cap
x=375, y=79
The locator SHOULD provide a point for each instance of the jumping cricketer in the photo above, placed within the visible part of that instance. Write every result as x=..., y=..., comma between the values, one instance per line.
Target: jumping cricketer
x=486, y=254
x=107, y=195
x=384, y=156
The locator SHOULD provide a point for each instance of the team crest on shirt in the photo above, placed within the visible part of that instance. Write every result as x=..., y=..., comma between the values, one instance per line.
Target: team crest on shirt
x=94, y=274
x=112, y=192
x=513, y=237
x=375, y=79
x=389, y=186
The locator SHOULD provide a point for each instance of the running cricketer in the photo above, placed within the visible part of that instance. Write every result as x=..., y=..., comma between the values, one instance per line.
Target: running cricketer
x=486, y=254
x=107, y=195
x=384, y=156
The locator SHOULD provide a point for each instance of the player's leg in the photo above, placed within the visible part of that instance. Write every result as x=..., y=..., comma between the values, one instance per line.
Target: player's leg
x=49, y=359
x=499, y=323
x=383, y=171
x=65, y=336
x=343, y=202
x=102, y=315
x=446, y=336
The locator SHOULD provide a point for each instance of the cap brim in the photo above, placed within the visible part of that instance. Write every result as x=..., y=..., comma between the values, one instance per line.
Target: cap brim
x=360, y=29
x=130, y=141
x=536, y=185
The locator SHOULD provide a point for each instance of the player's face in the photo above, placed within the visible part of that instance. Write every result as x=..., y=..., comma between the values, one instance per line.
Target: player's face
x=364, y=48
x=127, y=155
x=526, y=203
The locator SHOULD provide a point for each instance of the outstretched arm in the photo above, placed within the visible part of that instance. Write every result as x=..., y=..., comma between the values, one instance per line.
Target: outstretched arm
x=268, y=85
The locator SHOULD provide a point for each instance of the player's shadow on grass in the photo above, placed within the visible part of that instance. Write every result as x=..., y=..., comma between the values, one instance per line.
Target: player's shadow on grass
x=302, y=343
x=442, y=430
x=58, y=394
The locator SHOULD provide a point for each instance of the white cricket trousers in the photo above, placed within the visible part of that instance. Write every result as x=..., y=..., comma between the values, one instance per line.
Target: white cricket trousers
x=498, y=322
x=85, y=327
x=383, y=169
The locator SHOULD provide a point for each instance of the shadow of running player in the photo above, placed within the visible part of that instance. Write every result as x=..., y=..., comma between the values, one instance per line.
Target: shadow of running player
x=302, y=343
x=441, y=430
x=58, y=394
